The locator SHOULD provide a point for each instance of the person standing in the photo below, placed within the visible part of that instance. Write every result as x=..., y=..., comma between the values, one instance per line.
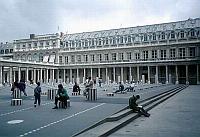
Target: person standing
x=22, y=87
x=37, y=94
x=61, y=95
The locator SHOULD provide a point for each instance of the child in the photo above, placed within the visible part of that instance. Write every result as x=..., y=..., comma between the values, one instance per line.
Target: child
x=37, y=92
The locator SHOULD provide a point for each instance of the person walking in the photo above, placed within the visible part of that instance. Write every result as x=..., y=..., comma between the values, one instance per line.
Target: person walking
x=61, y=95
x=22, y=87
x=37, y=94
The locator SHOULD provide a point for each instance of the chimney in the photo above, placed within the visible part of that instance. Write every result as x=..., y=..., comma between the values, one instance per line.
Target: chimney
x=32, y=36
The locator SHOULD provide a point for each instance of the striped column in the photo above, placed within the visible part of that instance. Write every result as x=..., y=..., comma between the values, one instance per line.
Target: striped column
x=92, y=94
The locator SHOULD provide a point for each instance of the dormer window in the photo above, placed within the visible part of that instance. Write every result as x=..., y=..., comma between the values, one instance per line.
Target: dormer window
x=172, y=35
x=182, y=34
x=163, y=35
x=192, y=33
x=154, y=36
x=145, y=37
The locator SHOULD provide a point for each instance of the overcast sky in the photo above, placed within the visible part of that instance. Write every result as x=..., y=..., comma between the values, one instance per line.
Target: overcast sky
x=19, y=18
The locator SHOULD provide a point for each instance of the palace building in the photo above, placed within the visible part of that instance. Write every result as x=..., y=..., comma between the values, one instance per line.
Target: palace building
x=159, y=53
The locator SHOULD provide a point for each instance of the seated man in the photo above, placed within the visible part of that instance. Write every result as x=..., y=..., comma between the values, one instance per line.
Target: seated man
x=121, y=88
x=61, y=95
x=134, y=106
x=131, y=87
x=76, y=88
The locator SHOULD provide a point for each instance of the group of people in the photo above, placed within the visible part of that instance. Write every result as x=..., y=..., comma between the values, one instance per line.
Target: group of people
x=20, y=86
x=121, y=88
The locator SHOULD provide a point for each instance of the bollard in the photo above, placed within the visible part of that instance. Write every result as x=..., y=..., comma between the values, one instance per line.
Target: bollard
x=17, y=93
x=51, y=94
x=61, y=104
x=16, y=102
x=92, y=94
x=75, y=93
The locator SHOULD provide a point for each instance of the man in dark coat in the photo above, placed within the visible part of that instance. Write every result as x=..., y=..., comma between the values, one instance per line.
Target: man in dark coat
x=134, y=106
x=22, y=87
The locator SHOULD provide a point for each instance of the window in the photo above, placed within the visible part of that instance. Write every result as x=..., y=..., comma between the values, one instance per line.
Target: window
x=182, y=34
x=106, y=57
x=121, y=56
x=154, y=36
x=6, y=51
x=24, y=46
x=145, y=54
x=60, y=59
x=29, y=45
x=145, y=37
x=85, y=58
x=137, y=56
x=192, y=51
x=18, y=46
x=129, y=39
x=182, y=52
x=192, y=33
x=66, y=44
x=128, y=54
x=86, y=43
x=99, y=58
x=106, y=41
x=163, y=35
x=114, y=57
x=40, y=57
x=47, y=43
x=41, y=44
x=66, y=59
x=78, y=58
x=2, y=51
x=11, y=50
x=72, y=59
x=154, y=54
x=172, y=53
x=172, y=35
x=121, y=40
x=92, y=58
x=35, y=45
x=92, y=42
x=163, y=54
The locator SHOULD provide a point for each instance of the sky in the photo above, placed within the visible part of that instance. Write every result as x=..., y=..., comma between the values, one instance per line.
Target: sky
x=19, y=18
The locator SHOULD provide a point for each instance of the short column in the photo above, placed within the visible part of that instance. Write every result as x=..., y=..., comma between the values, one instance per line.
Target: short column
x=166, y=75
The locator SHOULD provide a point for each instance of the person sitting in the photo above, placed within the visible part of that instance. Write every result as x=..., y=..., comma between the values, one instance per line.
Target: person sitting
x=135, y=107
x=61, y=95
x=131, y=87
x=88, y=85
x=76, y=88
x=121, y=88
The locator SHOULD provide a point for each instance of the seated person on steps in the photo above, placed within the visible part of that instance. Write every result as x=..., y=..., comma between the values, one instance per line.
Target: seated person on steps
x=61, y=95
x=121, y=88
x=131, y=87
x=134, y=106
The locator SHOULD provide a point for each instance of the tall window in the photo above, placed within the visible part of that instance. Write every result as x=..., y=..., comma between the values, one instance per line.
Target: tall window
x=182, y=52
x=85, y=58
x=172, y=53
x=78, y=58
x=106, y=57
x=60, y=59
x=114, y=57
x=129, y=39
x=145, y=54
x=66, y=59
x=121, y=40
x=72, y=59
x=163, y=54
x=172, y=35
x=154, y=36
x=99, y=58
x=121, y=56
x=192, y=51
x=163, y=35
x=137, y=55
x=154, y=54
x=92, y=58
x=128, y=54
x=145, y=37
x=182, y=34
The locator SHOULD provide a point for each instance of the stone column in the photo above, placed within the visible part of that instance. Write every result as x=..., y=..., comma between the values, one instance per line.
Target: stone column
x=156, y=76
x=47, y=74
x=70, y=76
x=186, y=74
x=122, y=74
x=176, y=71
x=19, y=73
x=149, y=81
x=166, y=70
x=41, y=79
x=107, y=75
x=64, y=75
x=11, y=75
x=91, y=72
x=53, y=73
x=1, y=75
x=198, y=74
x=38, y=75
x=84, y=75
x=57, y=75
x=130, y=75
x=34, y=71
x=27, y=74
x=138, y=73
x=114, y=75
x=14, y=75
x=77, y=76
x=99, y=72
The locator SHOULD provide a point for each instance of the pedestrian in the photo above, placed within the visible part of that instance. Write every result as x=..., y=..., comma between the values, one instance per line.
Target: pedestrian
x=37, y=94
x=135, y=107
x=76, y=88
x=61, y=95
x=22, y=87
